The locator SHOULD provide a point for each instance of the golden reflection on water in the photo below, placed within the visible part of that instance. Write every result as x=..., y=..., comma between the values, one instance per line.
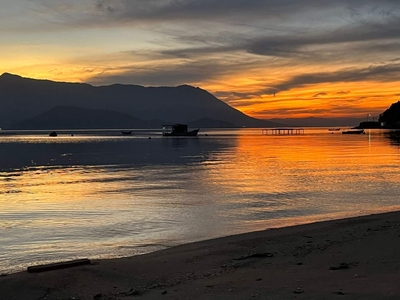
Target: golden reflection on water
x=323, y=172
x=118, y=197
x=276, y=163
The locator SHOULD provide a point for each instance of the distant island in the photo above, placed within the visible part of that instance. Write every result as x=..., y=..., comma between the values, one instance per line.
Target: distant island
x=43, y=104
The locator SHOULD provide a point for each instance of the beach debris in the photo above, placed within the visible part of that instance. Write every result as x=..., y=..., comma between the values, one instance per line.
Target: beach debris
x=298, y=291
x=58, y=265
x=164, y=292
x=97, y=296
x=3, y=275
x=131, y=292
x=343, y=266
x=191, y=276
x=255, y=255
x=258, y=279
x=339, y=293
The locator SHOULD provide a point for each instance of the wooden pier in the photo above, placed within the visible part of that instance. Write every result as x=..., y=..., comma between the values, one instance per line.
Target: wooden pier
x=282, y=131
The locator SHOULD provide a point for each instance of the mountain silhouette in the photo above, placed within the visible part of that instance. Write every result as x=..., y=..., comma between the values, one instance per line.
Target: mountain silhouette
x=25, y=101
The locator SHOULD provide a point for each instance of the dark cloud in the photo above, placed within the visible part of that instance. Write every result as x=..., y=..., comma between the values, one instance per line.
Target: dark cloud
x=358, y=36
x=383, y=73
x=234, y=95
x=172, y=72
x=202, y=9
x=285, y=28
x=314, y=111
x=194, y=52
x=212, y=9
x=185, y=72
x=105, y=5
x=319, y=94
x=343, y=43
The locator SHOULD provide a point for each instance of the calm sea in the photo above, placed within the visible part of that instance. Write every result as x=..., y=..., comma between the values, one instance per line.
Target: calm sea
x=103, y=195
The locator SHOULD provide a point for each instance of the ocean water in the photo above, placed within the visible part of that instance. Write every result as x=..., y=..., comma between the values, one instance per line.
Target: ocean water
x=104, y=195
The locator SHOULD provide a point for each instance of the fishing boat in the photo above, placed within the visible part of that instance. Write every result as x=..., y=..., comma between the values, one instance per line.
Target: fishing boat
x=53, y=133
x=334, y=129
x=354, y=131
x=178, y=130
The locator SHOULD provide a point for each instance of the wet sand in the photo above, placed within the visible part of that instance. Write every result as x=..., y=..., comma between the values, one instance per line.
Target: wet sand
x=356, y=258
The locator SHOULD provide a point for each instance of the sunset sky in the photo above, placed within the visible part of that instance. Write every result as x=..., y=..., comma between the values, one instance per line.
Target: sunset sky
x=267, y=58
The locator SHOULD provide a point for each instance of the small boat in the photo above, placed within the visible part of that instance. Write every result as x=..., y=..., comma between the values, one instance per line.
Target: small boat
x=178, y=130
x=357, y=131
x=334, y=129
x=53, y=133
x=127, y=132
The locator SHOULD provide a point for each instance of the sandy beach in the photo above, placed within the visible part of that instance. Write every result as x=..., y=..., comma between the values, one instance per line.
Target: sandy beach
x=356, y=258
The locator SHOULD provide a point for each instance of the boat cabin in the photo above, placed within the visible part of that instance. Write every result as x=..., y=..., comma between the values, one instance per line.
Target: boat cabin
x=176, y=128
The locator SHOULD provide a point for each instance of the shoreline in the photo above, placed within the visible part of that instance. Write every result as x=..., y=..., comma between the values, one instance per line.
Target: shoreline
x=265, y=225
x=355, y=257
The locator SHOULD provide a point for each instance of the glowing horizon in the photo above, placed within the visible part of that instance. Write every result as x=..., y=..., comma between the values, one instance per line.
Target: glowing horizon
x=326, y=60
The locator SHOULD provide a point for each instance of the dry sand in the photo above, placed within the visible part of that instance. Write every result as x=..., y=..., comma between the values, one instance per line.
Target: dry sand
x=357, y=258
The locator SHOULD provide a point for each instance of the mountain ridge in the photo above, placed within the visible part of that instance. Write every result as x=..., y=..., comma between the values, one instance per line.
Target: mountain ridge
x=24, y=98
x=72, y=117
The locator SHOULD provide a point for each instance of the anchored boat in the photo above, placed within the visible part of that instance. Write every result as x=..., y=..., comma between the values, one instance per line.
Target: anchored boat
x=178, y=130
x=357, y=131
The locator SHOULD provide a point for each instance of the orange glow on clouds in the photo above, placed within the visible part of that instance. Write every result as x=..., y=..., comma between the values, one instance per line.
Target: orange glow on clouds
x=248, y=91
x=343, y=99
